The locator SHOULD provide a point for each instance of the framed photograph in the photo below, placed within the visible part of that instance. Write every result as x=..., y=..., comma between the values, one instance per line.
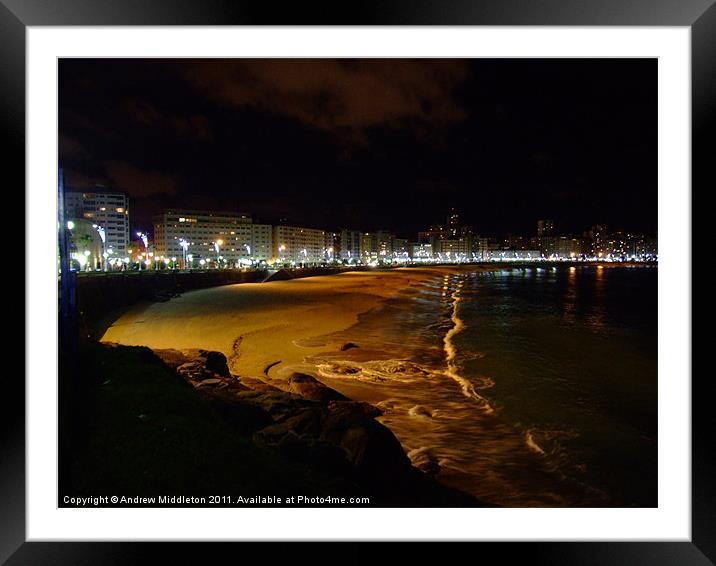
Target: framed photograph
x=404, y=274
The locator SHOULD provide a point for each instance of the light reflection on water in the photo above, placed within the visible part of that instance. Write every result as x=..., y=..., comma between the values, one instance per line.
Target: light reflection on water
x=569, y=370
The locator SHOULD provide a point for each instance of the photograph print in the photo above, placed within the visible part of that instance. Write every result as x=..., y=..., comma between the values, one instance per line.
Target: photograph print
x=357, y=282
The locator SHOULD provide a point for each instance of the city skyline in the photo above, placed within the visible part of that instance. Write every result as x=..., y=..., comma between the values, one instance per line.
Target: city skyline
x=98, y=224
x=439, y=220
x=376, y=144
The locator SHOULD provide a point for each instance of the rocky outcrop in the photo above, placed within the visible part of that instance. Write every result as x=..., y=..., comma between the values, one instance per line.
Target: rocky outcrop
x=309, y=387
x=215, y=362
x=346, y=429
x=202, y=369
x=368, y=444
x=310, y=422
x=308, y=418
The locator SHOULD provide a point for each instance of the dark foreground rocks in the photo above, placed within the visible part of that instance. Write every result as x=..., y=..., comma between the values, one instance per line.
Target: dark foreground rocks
x=316, y=425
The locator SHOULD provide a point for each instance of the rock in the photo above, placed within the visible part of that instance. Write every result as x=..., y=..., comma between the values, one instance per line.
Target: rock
x=183, y=360
x=305, y=421
x=309, y=387
x=271, y=434
x=348, y=346
x=244, y=417
x=369, y=445
x=368, y=410
x=278, y=404
x=256, y=384
x=216, y=362
x=172, y=358
x=192, y=371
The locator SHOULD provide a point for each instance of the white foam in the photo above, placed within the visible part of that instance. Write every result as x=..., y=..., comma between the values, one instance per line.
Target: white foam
x=452, y=370
x=377, y=371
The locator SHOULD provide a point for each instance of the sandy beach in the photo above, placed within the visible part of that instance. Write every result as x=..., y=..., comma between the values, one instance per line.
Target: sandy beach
x=264, y=329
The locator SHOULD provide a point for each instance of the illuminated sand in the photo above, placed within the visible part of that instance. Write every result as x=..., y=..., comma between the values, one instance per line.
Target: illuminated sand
x=264, y=329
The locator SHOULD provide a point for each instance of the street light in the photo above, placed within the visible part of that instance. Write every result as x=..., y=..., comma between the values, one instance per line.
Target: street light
x=103, y=237
x=217, y=247
x=184, y=246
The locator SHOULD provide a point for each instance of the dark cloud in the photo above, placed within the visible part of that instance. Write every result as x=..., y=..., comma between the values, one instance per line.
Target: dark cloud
x=142, y=112
x=82, y=180
x=71, y=148
x=369, y=143
x=145, y=114
x=334, y=94
x=140, y=182
x=195, y=126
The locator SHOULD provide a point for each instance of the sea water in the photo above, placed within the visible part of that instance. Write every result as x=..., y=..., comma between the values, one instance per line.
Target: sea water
x=532, y=386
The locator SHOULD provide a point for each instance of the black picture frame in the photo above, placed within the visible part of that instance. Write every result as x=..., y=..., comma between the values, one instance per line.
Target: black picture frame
x=699, y=15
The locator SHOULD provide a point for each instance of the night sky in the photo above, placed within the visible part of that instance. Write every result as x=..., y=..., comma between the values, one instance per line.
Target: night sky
x=369, y=143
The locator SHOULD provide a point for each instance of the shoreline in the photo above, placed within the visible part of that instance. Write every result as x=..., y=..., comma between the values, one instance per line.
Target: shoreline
x=264, y=329
x=274, y=325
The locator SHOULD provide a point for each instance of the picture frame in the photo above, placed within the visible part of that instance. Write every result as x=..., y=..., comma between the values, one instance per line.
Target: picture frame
x=699, y=15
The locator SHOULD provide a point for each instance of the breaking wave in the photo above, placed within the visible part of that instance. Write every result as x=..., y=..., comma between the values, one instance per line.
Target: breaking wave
x=452, y=370
x=376, y=371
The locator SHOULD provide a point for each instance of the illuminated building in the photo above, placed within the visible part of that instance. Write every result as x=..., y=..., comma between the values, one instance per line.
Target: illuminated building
x=454, y=249
x=568, y=247
x=400, y=249
x=331, y=246
x=351, y=246
x=219, y=238
x=545, y=238
x=297, y=245
x=384, y=245
x=598, y=236
x=421, y=252
x=108, y=210
x=432, y=236
x=545, y=227
x=453, y=224
x=478, y=248
x=369, y=247
x=261, y=242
